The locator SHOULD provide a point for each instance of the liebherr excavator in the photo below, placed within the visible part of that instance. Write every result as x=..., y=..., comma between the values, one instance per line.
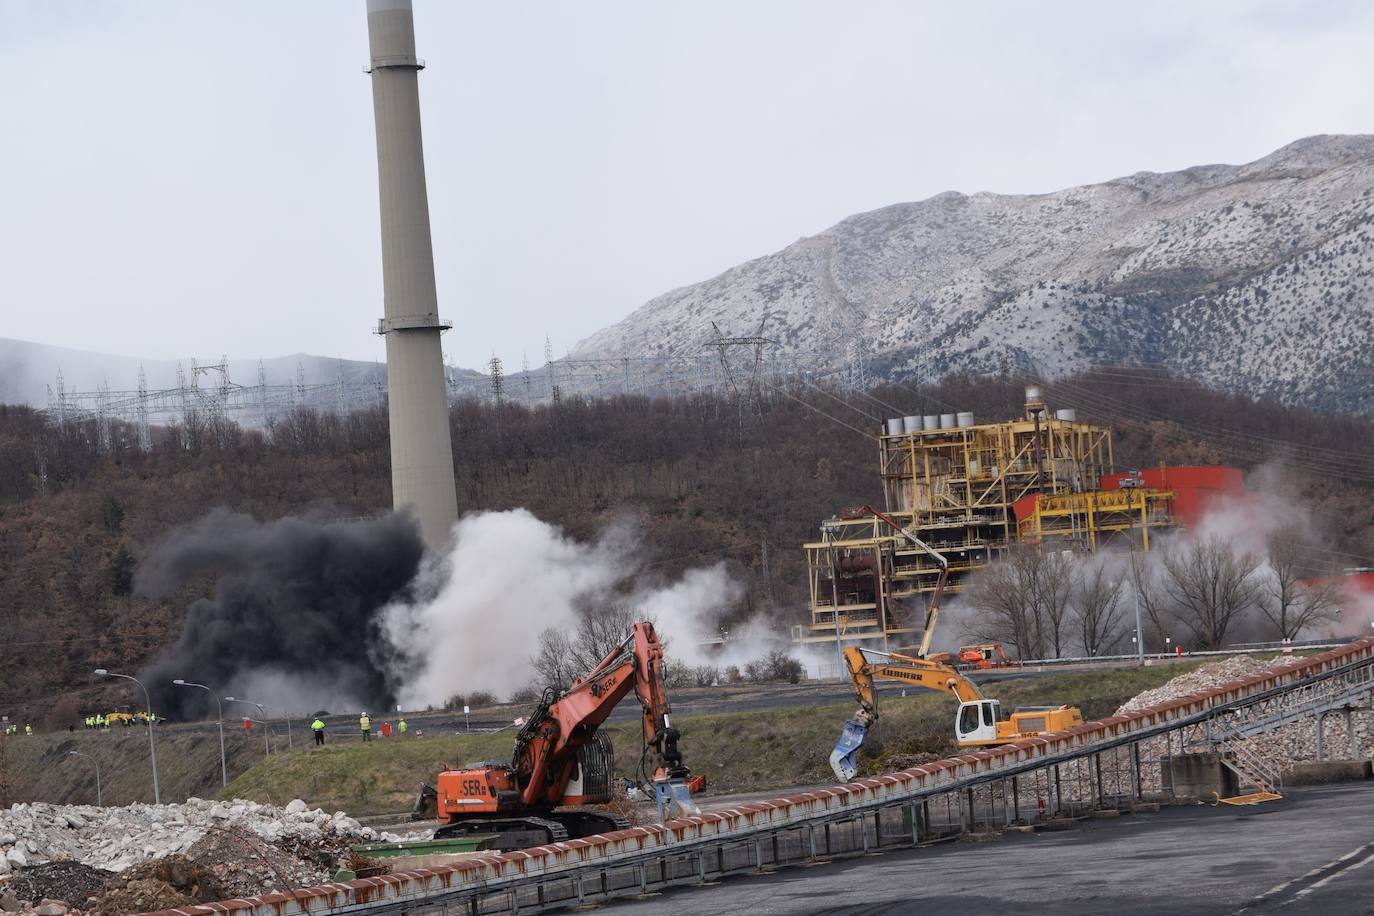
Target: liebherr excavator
x=977, y=723
x=561, y=759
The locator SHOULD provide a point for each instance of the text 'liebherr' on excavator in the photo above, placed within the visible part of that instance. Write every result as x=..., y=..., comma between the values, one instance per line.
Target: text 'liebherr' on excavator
x=977, y=723
x=561, y=759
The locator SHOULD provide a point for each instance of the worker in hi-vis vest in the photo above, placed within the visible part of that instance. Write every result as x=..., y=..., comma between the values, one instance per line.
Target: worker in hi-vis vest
x=401, y=726
x=365, y=726
x=318, y=728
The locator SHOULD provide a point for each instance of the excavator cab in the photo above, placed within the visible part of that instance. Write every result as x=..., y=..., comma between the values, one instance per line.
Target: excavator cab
x=977, y=722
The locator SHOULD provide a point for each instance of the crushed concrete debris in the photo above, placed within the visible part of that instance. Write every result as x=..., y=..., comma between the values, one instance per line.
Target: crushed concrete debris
x=1207, y=677
x=1281, y=748
x=118, y=838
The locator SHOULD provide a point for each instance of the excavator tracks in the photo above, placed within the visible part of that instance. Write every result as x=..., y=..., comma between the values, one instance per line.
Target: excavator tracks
x=528, y=830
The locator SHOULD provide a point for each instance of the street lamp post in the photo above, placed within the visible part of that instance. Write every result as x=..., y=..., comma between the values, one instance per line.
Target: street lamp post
x=152, y=747
x=266, y=745
x=223, y=766
x=99, y=801
x=286, y=718
x=1139, y=637
x=262, y=708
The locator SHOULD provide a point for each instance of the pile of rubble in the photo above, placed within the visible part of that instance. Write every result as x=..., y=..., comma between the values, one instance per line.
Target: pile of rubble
x=1207, y=677
x=1283, y=747
x=117, y=838
x=57, y=881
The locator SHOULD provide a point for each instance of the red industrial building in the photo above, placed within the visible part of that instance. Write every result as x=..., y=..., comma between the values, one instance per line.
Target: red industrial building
x=1196, y=489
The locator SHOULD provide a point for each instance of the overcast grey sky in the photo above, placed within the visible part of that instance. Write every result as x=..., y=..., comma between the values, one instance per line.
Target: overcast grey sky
x=196, y=178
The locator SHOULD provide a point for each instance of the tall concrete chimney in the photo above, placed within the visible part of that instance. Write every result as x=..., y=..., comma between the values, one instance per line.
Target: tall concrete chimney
x=421, y=448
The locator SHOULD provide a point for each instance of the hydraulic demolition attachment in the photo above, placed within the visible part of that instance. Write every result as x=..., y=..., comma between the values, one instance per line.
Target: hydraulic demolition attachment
x=977, y=723
x=561, y=759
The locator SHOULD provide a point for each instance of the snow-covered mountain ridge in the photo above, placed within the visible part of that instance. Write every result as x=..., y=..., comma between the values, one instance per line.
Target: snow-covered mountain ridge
x=1254, y=277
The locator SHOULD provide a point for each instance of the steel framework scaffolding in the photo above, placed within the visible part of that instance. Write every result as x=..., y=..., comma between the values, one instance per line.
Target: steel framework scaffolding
x=959, y=486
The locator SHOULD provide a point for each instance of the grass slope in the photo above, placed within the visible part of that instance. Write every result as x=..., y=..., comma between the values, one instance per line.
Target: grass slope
x=737, y=752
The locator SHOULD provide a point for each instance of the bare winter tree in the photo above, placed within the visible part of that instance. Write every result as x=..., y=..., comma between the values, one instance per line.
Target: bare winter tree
x=1097, y=612
x=599, y=629
x=1146, y=578
x=1054, y=581
x=1210, y=586
x=553, y=662
x=1023, y=601
x=1003, y=609
x=1286, y=601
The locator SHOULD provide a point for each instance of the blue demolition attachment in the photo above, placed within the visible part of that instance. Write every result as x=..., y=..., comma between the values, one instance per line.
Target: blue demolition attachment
x=674, y=799
x=844, y=760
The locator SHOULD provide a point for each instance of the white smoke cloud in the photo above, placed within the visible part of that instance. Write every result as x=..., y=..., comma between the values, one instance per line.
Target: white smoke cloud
x=1245, y=523
x=507, y=577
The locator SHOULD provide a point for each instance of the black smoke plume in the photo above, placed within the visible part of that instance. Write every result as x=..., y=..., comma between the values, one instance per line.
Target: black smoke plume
x=294, y=611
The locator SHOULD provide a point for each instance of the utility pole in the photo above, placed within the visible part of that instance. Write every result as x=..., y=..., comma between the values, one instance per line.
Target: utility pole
x=828, y=530
x=1139, y=634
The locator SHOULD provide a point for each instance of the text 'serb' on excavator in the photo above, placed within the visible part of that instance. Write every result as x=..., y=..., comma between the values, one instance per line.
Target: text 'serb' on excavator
x=562, y=761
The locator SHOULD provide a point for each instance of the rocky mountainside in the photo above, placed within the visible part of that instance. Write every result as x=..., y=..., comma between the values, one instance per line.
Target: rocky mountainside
x=1254, y=277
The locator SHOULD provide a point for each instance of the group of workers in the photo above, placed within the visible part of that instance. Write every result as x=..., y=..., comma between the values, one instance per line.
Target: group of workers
x=100, y=720
x=317, y=727
x=364, y=727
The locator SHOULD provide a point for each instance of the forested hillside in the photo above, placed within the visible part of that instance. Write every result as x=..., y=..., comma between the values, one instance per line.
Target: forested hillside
x=703, y=479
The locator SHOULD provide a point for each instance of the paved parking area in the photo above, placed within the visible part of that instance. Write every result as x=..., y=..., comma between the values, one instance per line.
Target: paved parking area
x=1312, y=852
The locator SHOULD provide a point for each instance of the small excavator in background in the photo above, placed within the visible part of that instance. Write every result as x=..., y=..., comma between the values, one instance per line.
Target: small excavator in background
x=977, y=723
x=562, y=761
x=982, y=657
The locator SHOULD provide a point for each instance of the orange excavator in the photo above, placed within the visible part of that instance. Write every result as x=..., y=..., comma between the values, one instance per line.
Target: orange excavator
x=982, y=657
x=562, y=761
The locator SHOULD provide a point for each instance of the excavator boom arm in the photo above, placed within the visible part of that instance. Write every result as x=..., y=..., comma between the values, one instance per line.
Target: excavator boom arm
x=547, y=747
x=865, y=666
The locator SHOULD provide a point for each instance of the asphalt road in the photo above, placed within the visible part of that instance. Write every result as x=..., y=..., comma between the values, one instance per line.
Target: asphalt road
x=1313, y=852
x=687, y=702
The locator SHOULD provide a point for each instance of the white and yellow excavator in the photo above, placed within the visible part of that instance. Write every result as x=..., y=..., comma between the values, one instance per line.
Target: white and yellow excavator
x=977, y=723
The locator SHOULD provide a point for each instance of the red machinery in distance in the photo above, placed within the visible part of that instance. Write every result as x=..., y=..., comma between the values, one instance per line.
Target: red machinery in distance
x=981, y=657
x=561, y=759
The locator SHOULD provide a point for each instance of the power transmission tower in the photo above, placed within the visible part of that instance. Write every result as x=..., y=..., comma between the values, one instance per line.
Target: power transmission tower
x=145, y=431
x=555, y=393
x=744, y=380
x=498, y=379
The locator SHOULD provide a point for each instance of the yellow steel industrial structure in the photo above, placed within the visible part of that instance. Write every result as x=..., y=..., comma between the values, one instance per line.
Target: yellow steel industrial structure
x=953, y=484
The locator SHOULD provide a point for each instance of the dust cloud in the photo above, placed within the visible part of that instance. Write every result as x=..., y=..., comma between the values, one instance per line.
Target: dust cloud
x=508, y=576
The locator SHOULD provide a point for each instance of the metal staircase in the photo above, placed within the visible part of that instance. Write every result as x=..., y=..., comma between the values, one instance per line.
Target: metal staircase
x=1255, y=771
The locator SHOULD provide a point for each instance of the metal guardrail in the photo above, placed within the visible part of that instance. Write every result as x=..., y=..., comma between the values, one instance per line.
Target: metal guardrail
x=831, y=671
x=1098, y=764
